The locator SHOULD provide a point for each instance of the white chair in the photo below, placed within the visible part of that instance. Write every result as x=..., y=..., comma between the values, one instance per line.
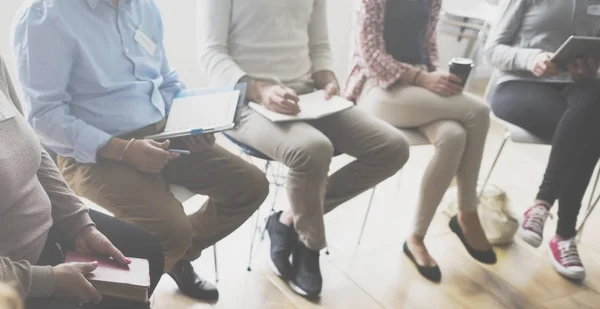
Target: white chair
x=415, y=138
x=521, y=136
x=276, y=176
x=182, y=195
x=470, y=19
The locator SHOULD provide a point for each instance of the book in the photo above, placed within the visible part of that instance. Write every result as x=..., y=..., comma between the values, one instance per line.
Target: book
x=203, y=111
x=112, y=279
x=312, y=105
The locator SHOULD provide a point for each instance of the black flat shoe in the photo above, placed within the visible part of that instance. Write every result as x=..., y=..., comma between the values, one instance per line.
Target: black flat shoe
x=483, y=256
x=430, y=273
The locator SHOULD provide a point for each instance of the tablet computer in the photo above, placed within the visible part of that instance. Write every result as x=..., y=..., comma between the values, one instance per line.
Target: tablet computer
x=575, y=47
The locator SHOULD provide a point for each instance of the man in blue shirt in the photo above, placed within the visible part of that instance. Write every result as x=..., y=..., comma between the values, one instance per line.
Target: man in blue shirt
x=97, y=78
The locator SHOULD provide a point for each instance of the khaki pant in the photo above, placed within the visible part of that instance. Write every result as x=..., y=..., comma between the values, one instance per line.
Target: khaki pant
x=457, y=126
x=307, y=149
x=234, y=187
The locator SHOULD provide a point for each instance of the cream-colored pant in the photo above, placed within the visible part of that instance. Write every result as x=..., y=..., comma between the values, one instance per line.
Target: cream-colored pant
x=457, y=126
x=307, y=149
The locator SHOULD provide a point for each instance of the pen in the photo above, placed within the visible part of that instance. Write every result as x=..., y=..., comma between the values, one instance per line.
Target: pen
x=181, y=152
x=278, y=82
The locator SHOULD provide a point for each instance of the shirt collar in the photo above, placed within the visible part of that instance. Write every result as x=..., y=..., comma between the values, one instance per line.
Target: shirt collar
x=94, y=3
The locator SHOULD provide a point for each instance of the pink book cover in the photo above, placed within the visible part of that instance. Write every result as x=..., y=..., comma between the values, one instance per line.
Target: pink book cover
x=136, y=274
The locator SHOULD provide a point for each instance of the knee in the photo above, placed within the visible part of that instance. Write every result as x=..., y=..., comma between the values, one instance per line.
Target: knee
x=479, y=112
x=313, y=155
x=395, y=151
x=452, y=138
x=256, y=188
x=176, y=241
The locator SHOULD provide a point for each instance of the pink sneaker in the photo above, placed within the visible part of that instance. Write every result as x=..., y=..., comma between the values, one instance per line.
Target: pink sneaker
x=565, y=258
x=532, y=228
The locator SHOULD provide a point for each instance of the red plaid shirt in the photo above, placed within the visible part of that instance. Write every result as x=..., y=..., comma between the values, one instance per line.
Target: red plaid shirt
x=370, y=58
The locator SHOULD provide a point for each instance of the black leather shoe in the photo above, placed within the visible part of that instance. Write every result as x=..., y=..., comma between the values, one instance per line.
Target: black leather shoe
x=306, y=272
x=282, y=242
x=483, y=256
x=431, y=273
x=191, y=284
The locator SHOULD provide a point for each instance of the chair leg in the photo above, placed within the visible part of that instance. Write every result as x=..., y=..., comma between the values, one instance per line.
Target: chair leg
x=257, y=228
x=487, y=178
x=252, y=240
x=594, y=190
x=216, y=263
x=590, y=207
x=362, y=230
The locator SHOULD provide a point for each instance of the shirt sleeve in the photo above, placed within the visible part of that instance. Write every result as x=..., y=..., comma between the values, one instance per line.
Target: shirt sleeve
x=31, y=281
x=69, y=213
x=431, y=36
x=382, y=67
x=12, y=93
x=44, y=61
x=213, y=22
x=318, y=36
x=499, y=49
x=171, y=84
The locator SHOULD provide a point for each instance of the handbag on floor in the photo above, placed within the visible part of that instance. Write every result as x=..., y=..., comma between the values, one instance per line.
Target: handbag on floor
x=497, y=220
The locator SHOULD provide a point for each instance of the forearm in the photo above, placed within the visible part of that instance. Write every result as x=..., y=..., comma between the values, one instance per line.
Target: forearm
x=114, y=149
x=31, y=281
x=509, y=58
x=254, y=90
x=68, y=211
x=324, y=78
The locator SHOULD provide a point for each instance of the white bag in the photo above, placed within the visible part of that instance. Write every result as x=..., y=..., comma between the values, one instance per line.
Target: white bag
x=498, y=222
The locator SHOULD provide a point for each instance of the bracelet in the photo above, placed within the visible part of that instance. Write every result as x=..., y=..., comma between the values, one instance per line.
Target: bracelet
x=414, y=82
x=125, y=149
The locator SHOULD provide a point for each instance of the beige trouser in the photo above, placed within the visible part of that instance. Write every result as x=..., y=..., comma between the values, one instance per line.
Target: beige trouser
x=234, y=187
x=457, y=126
x=307, y=149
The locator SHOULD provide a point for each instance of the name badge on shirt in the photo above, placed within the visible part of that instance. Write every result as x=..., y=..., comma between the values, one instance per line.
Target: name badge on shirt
x=7, y=110
x=145, y=42
x=593, y=7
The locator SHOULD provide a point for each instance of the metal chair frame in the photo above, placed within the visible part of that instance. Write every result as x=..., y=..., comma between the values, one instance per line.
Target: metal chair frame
x=276, y=176
x=591, y=203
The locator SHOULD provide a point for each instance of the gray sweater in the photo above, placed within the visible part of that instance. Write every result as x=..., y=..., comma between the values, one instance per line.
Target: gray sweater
x=33, y=198
x=529, y=27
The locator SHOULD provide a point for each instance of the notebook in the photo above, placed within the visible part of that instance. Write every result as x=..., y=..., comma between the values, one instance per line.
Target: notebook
x=115, y=280
x=312, y=105
x=203, y=111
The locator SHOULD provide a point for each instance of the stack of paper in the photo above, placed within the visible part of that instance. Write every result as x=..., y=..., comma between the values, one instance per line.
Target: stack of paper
x=312, y=106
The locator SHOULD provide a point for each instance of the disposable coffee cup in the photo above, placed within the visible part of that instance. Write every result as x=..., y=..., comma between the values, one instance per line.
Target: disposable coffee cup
x=461, y=67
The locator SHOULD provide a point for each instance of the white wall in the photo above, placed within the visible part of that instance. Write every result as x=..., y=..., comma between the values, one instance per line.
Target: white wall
x=179, y=22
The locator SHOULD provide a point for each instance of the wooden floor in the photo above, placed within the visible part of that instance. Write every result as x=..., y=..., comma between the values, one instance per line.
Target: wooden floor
x=376, y=274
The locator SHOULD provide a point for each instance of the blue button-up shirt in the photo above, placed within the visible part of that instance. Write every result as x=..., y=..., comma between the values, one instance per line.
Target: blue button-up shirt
x=86, y=76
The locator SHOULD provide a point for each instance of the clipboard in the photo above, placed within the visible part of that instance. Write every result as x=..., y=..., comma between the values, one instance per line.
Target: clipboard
x=180, y=122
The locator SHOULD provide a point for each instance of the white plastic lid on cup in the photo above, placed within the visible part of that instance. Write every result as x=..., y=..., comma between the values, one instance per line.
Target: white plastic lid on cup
x=462, y=61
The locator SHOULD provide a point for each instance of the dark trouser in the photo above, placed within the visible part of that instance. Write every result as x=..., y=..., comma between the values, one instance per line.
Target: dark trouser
x=132, y=241
x=569, y=116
